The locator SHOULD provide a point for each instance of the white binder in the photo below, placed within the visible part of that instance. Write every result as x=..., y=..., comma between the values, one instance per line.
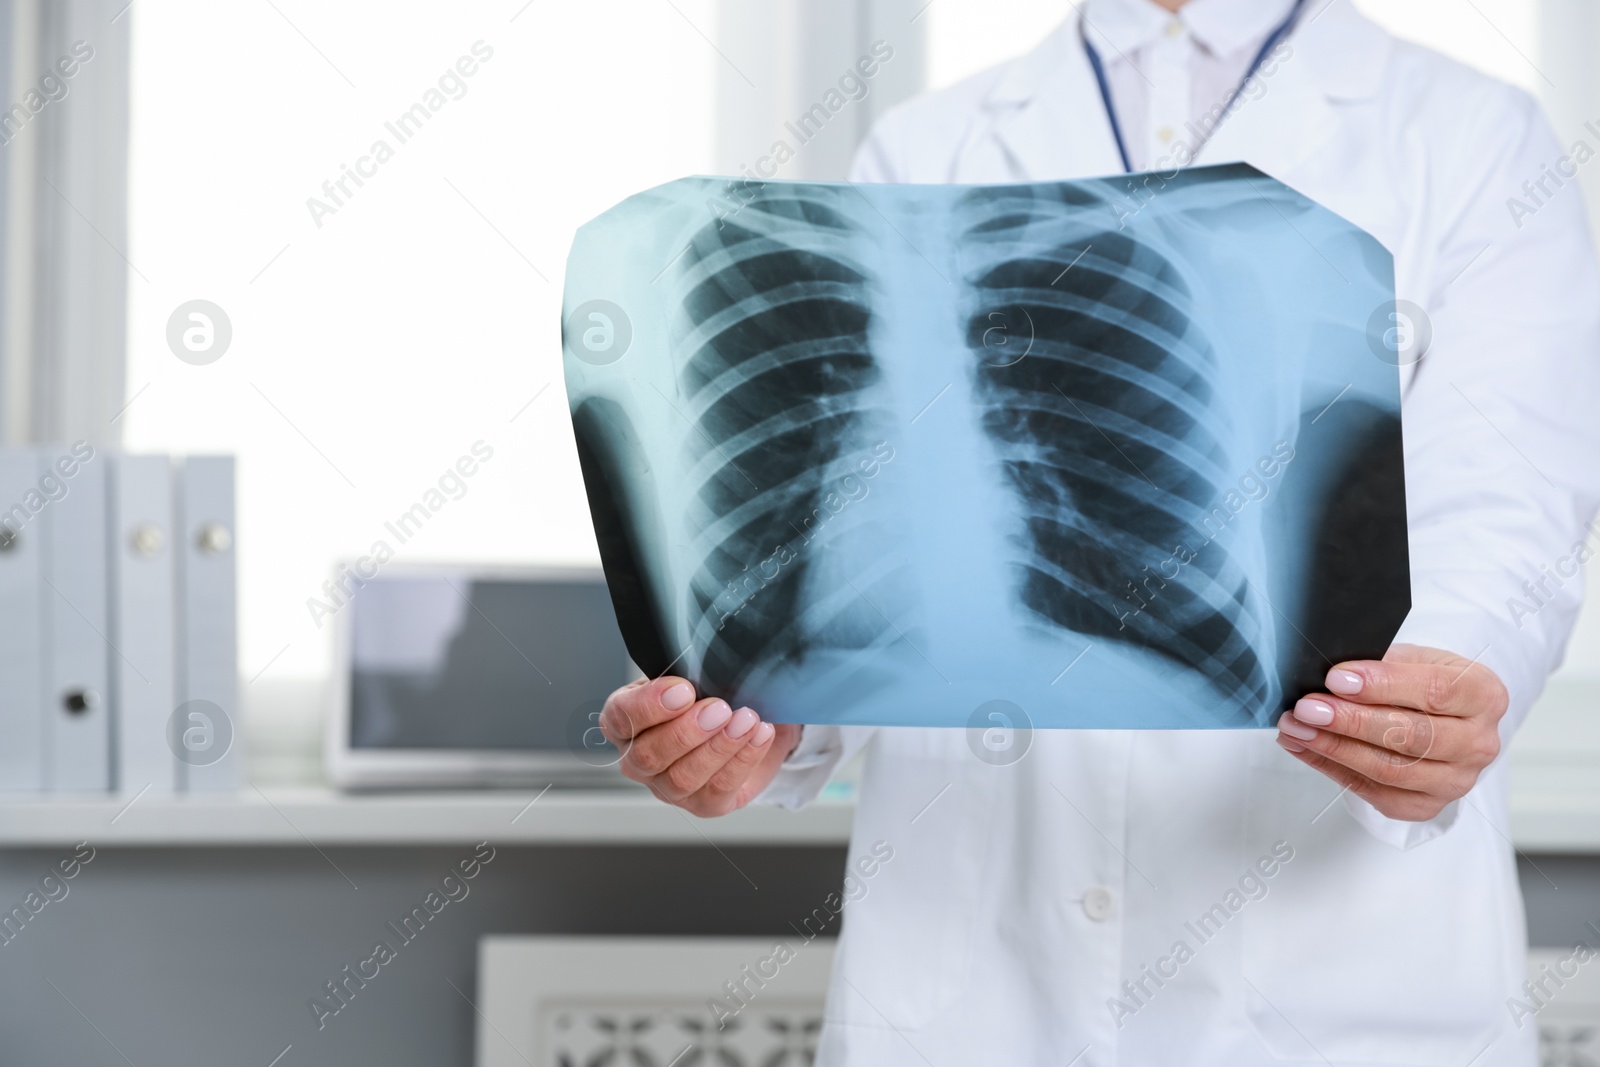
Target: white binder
x=77, y=652
x=207, y=653
x=143, y=595
x=21, y=678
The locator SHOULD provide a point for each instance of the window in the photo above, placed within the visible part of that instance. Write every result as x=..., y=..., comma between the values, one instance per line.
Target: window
x=390, y=306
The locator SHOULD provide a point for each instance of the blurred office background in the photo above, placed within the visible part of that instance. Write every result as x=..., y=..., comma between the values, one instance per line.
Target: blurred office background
x=375, y=343
x=372, y=346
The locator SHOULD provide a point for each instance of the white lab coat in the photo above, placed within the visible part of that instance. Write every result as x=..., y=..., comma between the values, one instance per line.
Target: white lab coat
x=1019, y=899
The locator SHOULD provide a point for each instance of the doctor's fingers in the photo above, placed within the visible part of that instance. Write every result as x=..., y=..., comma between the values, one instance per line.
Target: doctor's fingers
x=1389, y=768
x=712, y=779
x=1424, y=679
x=1410, y=733
x=689, y=772
x=652, y=751
x=638, y=706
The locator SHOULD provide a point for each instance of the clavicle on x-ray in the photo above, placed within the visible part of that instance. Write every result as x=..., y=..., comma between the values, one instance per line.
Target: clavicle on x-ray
x=1116, y=453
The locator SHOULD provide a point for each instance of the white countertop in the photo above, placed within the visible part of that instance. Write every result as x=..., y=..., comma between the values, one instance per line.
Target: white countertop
x=300, y=815
x=1548, y=820
x=1549, y=813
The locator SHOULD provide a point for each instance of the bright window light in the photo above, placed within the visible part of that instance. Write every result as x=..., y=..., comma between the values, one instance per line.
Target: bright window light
x=381, y=197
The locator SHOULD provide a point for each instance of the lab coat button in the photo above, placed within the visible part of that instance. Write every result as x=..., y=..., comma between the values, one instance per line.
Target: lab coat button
x=1098, y=904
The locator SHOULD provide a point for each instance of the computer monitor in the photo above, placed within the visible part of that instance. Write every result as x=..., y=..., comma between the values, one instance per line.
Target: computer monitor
x=474, y=676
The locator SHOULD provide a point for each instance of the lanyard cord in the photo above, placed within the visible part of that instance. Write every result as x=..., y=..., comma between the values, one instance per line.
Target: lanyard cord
x=1267, y=46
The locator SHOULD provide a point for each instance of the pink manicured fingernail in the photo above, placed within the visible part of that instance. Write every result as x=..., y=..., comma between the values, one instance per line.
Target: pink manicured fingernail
x=743, y=720
x=764, y=734
x=678, y=697
x=714, y=715
x=1291, y=746
x=1295, y=728
x=1345, y=683
x=1313, y=713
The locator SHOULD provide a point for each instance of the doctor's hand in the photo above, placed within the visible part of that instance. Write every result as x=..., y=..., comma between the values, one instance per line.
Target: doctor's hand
x=1408, y=734
x=701, y=755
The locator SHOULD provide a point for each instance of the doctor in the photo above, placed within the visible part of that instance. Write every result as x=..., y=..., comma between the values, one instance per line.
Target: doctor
x=1341, y=890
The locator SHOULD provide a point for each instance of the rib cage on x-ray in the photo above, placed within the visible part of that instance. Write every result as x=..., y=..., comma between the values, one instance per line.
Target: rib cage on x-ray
x=778, y=376
x=1108, y=430
x=821, y=489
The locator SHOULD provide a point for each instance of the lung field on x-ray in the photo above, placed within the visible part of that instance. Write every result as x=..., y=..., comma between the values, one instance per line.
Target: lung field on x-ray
x=1108, y=433
x=781, y=386
x=820, y=487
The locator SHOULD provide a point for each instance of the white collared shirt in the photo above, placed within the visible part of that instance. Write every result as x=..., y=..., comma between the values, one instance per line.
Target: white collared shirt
x=1171, y=75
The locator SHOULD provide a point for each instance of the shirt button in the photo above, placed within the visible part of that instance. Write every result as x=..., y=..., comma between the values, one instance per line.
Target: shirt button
x=1165, y=133
x=1174, y=28
x=1098, y=904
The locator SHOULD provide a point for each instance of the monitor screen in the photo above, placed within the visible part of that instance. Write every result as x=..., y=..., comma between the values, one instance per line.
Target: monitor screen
x=456, y=661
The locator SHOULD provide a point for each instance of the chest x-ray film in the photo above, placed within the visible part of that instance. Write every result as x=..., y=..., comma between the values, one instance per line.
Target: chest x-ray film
x=1107, y=453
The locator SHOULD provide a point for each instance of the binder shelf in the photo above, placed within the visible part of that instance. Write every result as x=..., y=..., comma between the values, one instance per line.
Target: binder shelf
x=118, y=650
